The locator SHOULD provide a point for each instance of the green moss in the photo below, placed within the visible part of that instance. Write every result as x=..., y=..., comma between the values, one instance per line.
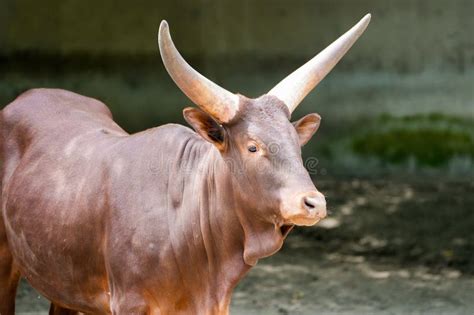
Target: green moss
x=431, y=140
x=433, y=118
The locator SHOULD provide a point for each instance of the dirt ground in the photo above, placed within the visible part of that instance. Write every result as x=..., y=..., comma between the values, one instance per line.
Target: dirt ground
x=388, y=247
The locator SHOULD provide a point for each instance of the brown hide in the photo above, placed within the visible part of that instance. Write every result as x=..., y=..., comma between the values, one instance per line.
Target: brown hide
x=159, y=222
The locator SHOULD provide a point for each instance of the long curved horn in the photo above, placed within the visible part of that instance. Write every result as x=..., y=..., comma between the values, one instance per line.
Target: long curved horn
x=293, y=89
x=216, y=101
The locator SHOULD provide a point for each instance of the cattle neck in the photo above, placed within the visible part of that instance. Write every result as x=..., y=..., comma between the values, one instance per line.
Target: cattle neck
x=258, y=238
x=233, y=239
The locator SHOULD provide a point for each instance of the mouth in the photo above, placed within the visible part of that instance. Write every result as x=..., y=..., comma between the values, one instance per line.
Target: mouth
x=304, y=220
x=285, y=229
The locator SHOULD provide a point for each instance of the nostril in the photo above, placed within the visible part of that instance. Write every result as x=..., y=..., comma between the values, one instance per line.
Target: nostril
x=309, y=203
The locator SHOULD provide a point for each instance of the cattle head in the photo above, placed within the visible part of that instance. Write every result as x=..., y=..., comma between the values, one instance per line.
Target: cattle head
x=255, y=136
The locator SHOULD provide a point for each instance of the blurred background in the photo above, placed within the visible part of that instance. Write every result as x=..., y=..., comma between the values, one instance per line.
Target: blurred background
x=394, y=154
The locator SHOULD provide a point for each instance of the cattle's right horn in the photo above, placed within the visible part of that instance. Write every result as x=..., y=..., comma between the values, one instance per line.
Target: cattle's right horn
x=293, y=89
x=216, y=101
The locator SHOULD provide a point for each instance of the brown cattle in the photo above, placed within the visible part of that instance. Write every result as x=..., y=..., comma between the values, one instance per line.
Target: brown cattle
x=164, y=221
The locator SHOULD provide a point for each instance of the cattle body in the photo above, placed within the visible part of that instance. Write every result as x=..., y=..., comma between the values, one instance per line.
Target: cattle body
x=110, y=202
x=164, y=221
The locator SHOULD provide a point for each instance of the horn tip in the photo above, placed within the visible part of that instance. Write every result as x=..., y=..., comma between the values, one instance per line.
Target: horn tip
x=363, y=23
x=163, y=25
x=163, y=32
x=367, y=18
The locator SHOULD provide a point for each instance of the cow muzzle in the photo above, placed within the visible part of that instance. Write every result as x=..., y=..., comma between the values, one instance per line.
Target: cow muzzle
x=304, y=209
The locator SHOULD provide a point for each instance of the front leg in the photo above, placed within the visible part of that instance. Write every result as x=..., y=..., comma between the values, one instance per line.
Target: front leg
x=58, y=310
x=9, y=275
x=129, y=304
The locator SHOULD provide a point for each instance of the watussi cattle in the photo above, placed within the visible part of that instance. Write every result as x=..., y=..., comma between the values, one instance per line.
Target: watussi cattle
x=164, y=221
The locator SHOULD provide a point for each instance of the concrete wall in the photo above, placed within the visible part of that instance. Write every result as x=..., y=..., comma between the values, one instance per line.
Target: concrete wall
x=405, y=35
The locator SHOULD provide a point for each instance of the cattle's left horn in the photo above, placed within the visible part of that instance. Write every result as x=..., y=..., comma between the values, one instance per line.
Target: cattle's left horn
x=293, y=89
x=216, y=101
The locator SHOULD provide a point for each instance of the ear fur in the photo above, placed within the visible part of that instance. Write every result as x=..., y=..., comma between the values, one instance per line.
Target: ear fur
x=205, y=126
x=306, y=127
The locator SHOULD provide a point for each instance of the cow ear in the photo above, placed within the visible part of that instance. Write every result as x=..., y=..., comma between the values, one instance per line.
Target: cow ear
x=205, y=126
x=306, y=127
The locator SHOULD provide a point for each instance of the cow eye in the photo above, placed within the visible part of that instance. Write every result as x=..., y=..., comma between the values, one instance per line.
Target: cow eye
x=252, y=148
